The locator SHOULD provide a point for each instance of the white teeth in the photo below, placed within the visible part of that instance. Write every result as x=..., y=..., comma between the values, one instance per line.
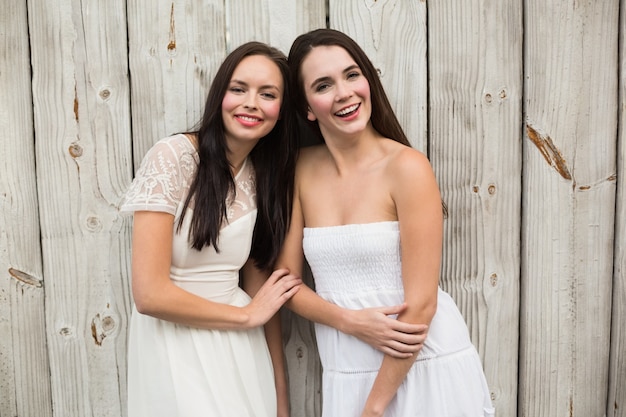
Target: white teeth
x=347, y=110
x=248, y=119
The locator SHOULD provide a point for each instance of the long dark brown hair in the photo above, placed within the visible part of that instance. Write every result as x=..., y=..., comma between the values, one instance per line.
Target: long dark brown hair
x=383, y=117
x=273, y=159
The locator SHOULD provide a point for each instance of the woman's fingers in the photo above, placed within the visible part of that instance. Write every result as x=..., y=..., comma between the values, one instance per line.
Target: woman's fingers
x=394, y=353
x=279, y=287
x=403, y=345
x=387, y=334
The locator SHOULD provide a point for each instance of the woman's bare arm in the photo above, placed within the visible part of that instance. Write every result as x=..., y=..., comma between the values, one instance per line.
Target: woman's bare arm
x=420, y=217
x=253, y=280
x=156, y=295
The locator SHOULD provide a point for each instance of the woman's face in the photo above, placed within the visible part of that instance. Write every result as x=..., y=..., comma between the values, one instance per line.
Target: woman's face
x=251, y=105
x=337, y=92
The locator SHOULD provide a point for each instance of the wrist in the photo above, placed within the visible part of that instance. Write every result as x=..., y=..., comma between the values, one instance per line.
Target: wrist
x=244, y=319
x=346, y=321
x=372, y=410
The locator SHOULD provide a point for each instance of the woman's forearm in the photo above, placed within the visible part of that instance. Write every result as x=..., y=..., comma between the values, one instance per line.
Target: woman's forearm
x=308, y=304
x=273, y=334
x=392, y=373
x=372, y=325
x=171, y=303
x=394, y=370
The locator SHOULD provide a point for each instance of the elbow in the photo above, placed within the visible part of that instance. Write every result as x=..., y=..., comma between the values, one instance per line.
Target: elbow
x=145, y=302
x=421, y=314
x=429, y=310
x=144, y=306
x=151, y=293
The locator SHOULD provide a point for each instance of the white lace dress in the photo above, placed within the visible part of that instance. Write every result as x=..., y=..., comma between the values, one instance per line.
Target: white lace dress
x=358, y=266
x=180, y=371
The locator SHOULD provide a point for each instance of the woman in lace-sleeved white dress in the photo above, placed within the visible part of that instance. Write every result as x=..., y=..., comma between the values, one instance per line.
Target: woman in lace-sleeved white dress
x=368, y=216
x=207, y=205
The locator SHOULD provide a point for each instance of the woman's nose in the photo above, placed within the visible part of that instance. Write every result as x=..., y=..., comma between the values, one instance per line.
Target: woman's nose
x=250, y=102
x=343, y=92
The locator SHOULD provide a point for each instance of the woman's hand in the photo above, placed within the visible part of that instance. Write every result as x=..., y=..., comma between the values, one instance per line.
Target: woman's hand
x=278, y=288
x=386, y=334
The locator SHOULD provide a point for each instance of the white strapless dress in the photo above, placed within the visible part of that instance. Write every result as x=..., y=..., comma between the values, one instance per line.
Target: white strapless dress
x=358, y=266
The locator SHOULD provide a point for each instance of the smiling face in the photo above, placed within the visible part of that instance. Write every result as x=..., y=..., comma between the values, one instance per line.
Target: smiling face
x=337, y=92
x=252, y=102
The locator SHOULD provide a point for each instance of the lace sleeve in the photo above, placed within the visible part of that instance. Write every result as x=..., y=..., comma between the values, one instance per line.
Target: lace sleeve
x=163, y=178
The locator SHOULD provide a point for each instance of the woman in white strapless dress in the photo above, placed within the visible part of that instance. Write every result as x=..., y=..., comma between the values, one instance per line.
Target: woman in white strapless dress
x=368, y=217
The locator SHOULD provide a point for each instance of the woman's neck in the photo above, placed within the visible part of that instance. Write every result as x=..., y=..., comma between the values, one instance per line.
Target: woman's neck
x=349, y=154
x=238, y=153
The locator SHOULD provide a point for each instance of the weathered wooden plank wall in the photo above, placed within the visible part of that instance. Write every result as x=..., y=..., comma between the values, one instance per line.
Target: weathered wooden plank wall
x=80, y=85
x=174, y=50
x=394, y=35
x=475, y=62
x=487, y=93
x=616, y=405
x=24, y=367
x=568, y=206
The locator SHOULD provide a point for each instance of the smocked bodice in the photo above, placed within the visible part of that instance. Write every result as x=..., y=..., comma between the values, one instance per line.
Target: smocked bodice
x=355, y=264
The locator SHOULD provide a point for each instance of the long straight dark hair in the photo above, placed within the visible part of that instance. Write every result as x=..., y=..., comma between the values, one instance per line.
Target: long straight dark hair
x=273, y=159
x=383, y=118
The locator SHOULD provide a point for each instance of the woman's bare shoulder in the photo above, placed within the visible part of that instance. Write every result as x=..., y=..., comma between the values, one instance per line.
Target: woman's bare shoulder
x=410, y=169
x=406, y=160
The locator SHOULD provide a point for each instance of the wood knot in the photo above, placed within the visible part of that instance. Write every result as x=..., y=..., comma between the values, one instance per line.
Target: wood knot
x=75, y=150
x=25, y=278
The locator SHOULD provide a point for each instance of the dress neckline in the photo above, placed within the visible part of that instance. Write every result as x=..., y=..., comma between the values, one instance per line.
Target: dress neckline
x=194, y=145
x=355, y=225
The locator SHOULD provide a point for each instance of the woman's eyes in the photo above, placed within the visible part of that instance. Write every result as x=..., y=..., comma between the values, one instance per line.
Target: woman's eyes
x=264, y=94
x=321, y=87
x=324, y=86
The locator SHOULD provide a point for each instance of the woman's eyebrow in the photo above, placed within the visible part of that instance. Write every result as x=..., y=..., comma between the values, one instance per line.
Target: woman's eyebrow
x=319, y=80
x=351, y=67
x=327, y=78
x=263, y=87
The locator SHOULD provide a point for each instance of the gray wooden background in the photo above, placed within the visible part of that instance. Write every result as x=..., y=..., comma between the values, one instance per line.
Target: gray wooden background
x=518, y=103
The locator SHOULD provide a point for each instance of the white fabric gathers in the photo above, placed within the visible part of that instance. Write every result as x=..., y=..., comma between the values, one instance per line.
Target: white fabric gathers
x=359, y=266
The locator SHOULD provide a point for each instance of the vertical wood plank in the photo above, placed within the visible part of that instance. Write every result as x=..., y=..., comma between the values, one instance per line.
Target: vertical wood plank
x=82, y=125
x=475, y=97
x=568, y=207
x=24, y=367
x=616, y=403
x=175, y=49
x=393, y=34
